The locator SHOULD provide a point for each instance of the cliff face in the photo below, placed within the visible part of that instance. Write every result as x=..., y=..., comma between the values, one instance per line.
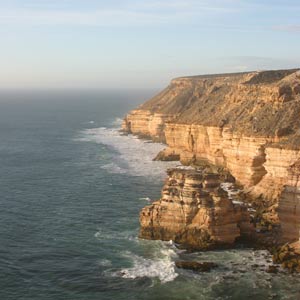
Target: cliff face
x=248, y=123
x=289, y=209
x=147, y=124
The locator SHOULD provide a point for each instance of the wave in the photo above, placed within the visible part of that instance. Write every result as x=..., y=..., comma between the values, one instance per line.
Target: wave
x=145, y=199
x=162, y=266
x=233, y=194
x=133, y=156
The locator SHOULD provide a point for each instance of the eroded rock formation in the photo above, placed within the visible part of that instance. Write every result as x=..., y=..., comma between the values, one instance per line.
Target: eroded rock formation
x=248, y=123
x=195, y=211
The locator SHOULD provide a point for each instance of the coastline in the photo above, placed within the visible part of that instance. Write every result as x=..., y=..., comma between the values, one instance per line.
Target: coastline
x=264, y=165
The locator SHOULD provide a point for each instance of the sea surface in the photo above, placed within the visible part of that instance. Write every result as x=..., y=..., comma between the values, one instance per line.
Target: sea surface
x=71, y=188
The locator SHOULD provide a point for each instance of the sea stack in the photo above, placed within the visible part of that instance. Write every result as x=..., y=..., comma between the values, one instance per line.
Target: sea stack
x=246, y=123
x=194, y=211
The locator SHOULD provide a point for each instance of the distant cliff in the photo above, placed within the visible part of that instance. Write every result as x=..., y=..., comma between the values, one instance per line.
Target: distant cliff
x=246, y=123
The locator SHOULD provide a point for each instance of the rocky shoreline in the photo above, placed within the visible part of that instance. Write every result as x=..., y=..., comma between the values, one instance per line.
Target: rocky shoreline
x=241, y=134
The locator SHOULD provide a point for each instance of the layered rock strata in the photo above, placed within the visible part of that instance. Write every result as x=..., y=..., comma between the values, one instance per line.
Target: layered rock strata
x=248, y=123
x=147, y=125
x=194, y=211
x=289, y=204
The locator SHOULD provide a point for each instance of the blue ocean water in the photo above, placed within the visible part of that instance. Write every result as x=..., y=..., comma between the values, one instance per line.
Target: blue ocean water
x=71, y=188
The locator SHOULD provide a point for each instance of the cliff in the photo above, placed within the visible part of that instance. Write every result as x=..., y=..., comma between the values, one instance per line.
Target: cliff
x=246, y=123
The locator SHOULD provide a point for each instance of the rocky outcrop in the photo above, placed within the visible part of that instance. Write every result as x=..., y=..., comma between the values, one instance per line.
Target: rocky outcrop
x=195, y=211
x=247, y=123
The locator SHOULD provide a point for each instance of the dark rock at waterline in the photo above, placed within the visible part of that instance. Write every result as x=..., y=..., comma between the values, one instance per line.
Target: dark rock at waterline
x=196, y=266
x=272, y=269
x=162, y=156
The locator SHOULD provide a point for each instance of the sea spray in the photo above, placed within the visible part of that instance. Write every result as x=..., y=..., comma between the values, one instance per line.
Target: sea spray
x=132, y=155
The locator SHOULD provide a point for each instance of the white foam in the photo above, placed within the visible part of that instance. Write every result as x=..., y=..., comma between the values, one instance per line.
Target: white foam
x=104, y=262
x=238, y=202
x=145, y=199
x=227, y=187
x=162, y=267
x=232, y=192
x=91, y=122
x=117, y=122
x=233, y=195
x=133, y=156
x=181, y=167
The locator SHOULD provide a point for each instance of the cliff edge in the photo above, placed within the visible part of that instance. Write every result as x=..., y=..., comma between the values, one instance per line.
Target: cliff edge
x=246, y=123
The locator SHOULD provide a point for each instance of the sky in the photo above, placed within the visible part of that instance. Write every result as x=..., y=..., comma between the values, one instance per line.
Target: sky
x=142, y=43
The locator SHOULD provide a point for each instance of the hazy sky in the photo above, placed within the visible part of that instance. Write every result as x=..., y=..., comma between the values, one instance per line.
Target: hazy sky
x=142, y=43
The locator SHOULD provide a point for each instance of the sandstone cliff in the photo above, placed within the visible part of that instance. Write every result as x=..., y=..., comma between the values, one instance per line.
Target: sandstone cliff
x=248, y=123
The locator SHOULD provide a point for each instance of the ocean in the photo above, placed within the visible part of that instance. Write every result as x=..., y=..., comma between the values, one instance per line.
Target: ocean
x=71, y=188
